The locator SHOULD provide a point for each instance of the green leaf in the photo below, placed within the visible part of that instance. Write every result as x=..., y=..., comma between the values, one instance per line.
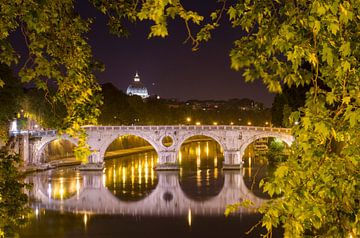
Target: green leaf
x=327, y=55
x=334, y=28
x=345, y=49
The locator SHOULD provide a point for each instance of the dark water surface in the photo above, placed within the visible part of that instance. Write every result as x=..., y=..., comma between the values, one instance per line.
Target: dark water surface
x=130, y=199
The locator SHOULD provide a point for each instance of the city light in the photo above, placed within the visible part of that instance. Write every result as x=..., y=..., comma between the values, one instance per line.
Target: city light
x=215, y=123
x=249, y=123
x=188, y=119
x=198, y=123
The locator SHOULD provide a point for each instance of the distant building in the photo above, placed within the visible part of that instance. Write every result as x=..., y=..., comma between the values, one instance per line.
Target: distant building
x=137, y=88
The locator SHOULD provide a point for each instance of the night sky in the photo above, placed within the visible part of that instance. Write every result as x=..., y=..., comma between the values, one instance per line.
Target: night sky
x=168, y=67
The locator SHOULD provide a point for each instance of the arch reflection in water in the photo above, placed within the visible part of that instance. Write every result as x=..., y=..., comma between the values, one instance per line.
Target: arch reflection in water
x=60, y=184
x=167, y=199
x=200, y=174
x=132, y=177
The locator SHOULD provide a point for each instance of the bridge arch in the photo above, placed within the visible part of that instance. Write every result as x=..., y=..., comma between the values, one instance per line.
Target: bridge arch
x=46, y=141
x=288, y=139
x=106, y=143
x=190, y=134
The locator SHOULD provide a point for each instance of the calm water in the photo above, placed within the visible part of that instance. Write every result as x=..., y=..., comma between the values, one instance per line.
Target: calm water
x=130, y=199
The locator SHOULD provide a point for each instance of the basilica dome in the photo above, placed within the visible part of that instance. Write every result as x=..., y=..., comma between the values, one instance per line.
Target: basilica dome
x=137, y=88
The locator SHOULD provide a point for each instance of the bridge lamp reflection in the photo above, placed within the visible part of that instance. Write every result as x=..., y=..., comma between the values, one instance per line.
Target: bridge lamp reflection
x=146, y=171
x=140, y=172
x=207, y=149
x=77, y=187
x=132, y=175
x=85, y=220
x=37, y=212
x=180, y=157
x=49, y=190
x=124, y=175
x=104, y=179
x=189, y=217
x=61, y=191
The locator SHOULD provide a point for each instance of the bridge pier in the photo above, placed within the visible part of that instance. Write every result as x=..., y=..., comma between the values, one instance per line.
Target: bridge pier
x=232, y=160
x=167, y=161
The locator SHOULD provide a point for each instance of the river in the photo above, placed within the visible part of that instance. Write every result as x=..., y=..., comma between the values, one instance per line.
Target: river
x=131, y=199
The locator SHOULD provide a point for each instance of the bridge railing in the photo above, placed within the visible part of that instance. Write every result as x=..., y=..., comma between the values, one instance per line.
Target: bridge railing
x=189, y=127
x=164, y=127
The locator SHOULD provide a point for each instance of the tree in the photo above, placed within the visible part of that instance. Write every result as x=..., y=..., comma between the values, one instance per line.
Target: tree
x=10, y=98
x=293, y=98
x=319, y=183
x=13, y=202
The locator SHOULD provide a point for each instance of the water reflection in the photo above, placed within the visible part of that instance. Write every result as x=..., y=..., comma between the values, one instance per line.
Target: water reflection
x=131, y=178
x=167, y=198
x=132, y=194
x=201, y=176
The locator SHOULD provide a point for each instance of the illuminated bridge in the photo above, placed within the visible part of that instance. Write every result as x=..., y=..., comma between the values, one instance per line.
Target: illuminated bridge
x=167, y=199
x=232, y=139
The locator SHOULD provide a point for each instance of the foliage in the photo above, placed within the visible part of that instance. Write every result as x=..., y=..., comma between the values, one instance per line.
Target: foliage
x=276, y=151
x=10, y=95
x=57, y=52
x=39, y=106
x=13, y=202
x=320, y=182
x=291, y=98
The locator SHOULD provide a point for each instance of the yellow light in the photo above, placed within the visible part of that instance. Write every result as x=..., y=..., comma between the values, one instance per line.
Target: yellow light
x=140, y=172
x=231, y=123
x=188, y=119
x=215, y=123
x=198, y=178
x=132, y=175
x=266, y=123
x=124, y=175
x=146, y=171
x=61, y=191
x=198, y=150
x=180, y=157
x=215, y=161
x=114, y=175
x=37, y=212
x=77, y=187
x=249, y=123
x=85, y=219
x=189, y=217
x=104, y=179
x=207, y=149
x=198, y=123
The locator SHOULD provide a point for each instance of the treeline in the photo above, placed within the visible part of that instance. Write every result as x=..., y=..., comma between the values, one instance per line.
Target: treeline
x=121, y=109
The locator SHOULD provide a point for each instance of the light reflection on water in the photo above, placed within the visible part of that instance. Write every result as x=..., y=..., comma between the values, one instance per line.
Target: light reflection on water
x=192, y=197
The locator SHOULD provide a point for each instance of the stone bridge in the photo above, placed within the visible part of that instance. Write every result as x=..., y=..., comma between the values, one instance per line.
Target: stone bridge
x=167, y=199
x=233, y=140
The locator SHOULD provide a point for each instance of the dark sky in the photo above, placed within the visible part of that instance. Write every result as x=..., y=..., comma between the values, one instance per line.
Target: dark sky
x=168, y=67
